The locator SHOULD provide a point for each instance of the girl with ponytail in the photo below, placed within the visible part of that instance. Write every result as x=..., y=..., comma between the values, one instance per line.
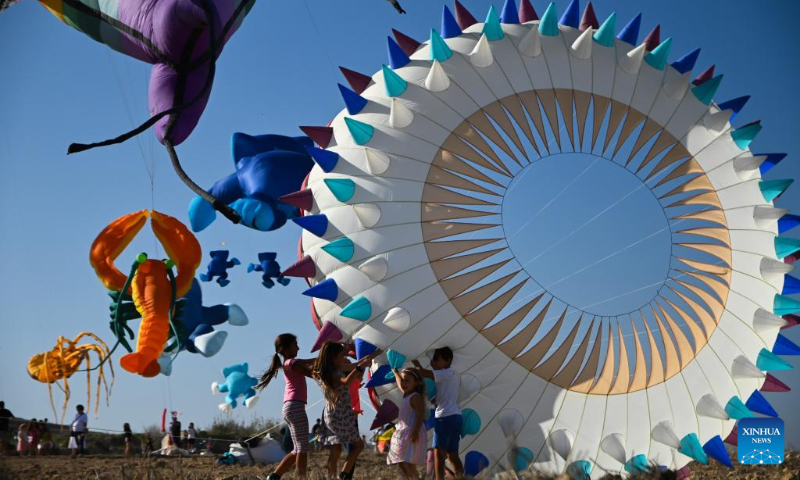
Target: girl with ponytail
x=335, y=374
x=295, y=396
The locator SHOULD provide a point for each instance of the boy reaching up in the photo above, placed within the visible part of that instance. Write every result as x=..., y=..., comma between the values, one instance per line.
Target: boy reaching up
x=447, y=426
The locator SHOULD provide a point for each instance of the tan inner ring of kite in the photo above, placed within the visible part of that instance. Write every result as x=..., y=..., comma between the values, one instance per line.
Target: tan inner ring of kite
x=449, y=259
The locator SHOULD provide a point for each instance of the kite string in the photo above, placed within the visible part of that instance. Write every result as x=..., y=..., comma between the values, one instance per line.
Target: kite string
x=320, y=41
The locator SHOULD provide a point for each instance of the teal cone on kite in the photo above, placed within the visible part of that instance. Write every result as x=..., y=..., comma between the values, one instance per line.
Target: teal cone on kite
x=341, y=249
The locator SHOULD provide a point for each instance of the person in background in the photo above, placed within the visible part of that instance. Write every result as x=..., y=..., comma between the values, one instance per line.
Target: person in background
x=175, y=430
x=191, y=436
x=33, y=437
x=45, y=439
x=78, y=431
x=148, y=445
x=316, y=431
x=128, y=433
x=5, y=416
x=23, y=447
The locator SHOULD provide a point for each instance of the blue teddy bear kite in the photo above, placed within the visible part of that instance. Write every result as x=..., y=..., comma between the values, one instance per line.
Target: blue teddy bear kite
x=267, y=168
x=237, y=382
x=218, y=267
x=271, y=269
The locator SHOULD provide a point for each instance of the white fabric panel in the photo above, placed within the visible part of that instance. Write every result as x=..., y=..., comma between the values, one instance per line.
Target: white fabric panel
x=718, y=374
x=753, y=241
x=555, y=52
x=581, y=70
x=616, y=421
x=604, y=62
x=638, y=438
x=727, y=351
x=590, y=433
x=462, y=73
x=687, y=114
x=711, y=154
x=744, y=194
x=488, y=403
x=647, y=87
x=385, y=138
x=742, y=218
x=537, y=67
x=676, y=85
x=658, y=401
x=570, y=418
x=508, y=58
x=725, y=176
x=454, y=97
x=758, y=291
x=664, y=106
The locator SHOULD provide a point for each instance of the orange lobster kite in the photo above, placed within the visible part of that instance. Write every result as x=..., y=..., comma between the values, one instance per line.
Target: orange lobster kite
x=150, y=284
x=64, y=360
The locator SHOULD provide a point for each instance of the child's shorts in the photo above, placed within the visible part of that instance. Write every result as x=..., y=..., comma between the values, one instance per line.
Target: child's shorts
x=447, y=433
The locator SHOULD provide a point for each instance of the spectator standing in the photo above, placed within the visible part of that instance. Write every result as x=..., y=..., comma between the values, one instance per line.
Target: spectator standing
x=23, y=446
x=79, y=429
x=175, y=430
x=5, y=416
x=128, y=433
x=191, y=436
x=33, y=437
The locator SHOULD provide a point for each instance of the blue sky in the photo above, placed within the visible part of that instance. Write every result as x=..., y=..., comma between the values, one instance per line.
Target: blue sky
x=278, y=72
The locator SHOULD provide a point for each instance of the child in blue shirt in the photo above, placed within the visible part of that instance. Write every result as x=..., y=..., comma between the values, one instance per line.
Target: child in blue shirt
x=447, y=426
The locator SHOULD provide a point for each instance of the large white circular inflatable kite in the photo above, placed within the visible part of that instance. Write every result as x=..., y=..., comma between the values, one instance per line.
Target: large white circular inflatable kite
x=406, y=243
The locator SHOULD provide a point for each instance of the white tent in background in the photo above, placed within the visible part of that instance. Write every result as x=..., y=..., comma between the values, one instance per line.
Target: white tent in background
x=267, y=451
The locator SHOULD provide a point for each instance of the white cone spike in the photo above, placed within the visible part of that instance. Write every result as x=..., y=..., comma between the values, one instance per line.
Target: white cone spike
x=766, y=216
x=377, y=162
x=400, y=116
x=717, y=121
x=632, y=61
x=397, y=319
x=437, y=79
x=531, y=44
x=709, y=406
x=582, y=46
x=511, y=422
x=368, y=214
x=764, y=321
x=664, y=433
x=469, y=387
x=375, y=268
x=614, y=446
x=746, y=166
x=481, y=55
x=677, y=87
x=744, y=368
x=561, y=442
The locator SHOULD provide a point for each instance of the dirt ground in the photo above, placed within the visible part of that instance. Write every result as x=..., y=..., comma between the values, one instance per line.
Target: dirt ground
x=371, y=466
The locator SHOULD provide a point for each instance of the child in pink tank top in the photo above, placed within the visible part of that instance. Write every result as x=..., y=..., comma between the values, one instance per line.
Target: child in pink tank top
x=295, y=395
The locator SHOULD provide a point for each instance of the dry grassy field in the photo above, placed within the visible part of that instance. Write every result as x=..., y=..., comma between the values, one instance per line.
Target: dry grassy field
x=371, y=467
